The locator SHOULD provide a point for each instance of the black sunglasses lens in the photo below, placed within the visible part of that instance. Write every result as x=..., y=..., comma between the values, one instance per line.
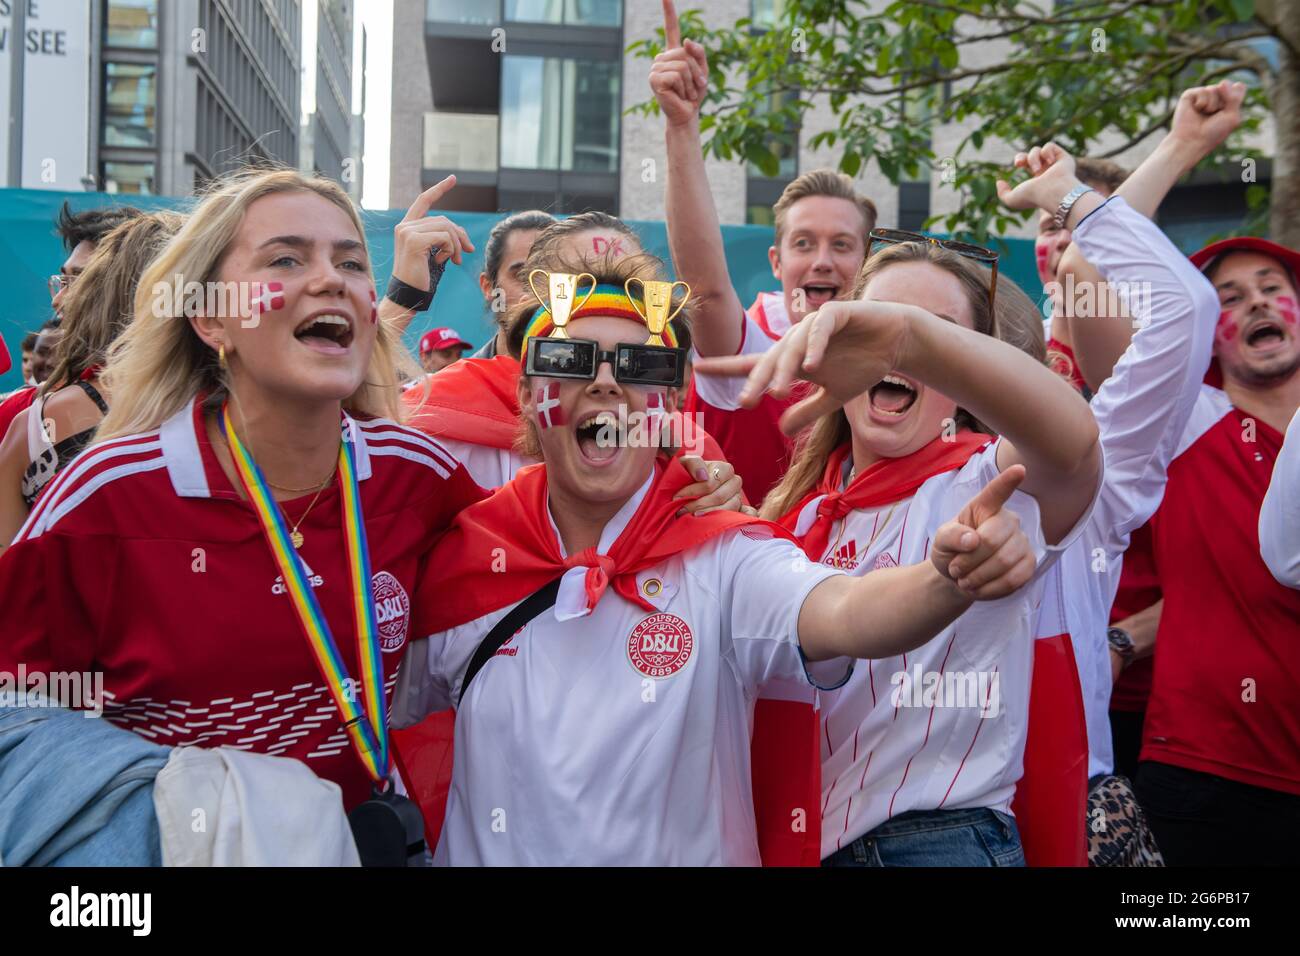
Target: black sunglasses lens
x=562, y=358
x=647, y=365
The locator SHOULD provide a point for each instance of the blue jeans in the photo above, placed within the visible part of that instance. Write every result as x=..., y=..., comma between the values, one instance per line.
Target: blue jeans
x=76, y=791
x=976, y=837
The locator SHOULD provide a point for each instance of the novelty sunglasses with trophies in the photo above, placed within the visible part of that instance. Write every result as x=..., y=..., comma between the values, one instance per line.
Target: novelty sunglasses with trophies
x=651, y=363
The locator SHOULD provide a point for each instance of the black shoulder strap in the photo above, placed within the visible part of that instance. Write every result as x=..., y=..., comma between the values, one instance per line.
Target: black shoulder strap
x=519, y=615
x=93, y=394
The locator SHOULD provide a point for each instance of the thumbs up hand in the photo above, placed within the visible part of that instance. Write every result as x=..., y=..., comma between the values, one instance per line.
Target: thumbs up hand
x=983, y=551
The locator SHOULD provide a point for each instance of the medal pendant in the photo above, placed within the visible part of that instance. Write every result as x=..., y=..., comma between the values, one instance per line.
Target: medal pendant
x=296, y=537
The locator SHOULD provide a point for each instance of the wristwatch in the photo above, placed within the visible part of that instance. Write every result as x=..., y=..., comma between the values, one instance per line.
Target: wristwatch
x=1121, y=644
x=408, y=296
x=1063, y=210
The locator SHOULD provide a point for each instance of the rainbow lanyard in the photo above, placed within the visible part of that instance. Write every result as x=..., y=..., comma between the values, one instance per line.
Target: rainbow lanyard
x=369, y=730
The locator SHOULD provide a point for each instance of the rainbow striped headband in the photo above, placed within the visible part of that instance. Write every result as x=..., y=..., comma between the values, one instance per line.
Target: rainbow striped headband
x=606, y=299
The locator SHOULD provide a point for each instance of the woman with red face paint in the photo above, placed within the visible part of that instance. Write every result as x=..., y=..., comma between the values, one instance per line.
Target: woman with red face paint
x=236, y=553
x=603, y=654
x=921, y=752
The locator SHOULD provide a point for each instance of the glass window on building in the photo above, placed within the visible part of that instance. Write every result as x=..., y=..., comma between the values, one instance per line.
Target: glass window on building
x=764, y=13
x=130, y=98
x=560, y=114
x=132, y=23
x=136, y=179
x=464, y=11
x=585, y=13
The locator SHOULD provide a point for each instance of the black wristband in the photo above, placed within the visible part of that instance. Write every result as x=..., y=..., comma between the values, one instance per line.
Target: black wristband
x=408, y=296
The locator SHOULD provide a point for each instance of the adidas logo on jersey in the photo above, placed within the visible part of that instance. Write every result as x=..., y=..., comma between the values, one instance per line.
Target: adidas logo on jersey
x=843, y=558
x=314, y=579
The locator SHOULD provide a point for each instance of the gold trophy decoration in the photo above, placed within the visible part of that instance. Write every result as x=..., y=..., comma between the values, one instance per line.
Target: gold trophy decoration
x=563, y=288
x=658, y=299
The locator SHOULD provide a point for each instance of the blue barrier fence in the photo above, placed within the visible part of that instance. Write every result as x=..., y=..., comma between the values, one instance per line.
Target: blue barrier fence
x=33, y=252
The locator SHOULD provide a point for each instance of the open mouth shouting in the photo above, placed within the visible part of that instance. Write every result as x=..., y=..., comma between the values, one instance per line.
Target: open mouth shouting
x=817, y=294
x=892, y=397
x=328, y=332
x=600, y=437
x=1265, y=335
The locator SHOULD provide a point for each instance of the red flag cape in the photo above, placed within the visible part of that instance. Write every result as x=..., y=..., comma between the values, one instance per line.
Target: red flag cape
x=784, y=747
x=473, y=400
x=889, y=479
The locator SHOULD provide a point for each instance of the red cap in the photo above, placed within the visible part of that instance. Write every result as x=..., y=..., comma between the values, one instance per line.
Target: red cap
x=6, y=363
x=1206, y=257
x=441, y=339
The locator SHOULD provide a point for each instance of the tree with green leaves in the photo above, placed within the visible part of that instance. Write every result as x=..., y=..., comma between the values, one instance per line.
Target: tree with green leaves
x=1021, y=72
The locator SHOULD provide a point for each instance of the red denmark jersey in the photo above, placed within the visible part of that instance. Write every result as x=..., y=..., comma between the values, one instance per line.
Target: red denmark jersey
x=13, y=406
x=1227, y=664
x=142, y=562
x=1139, y=588
x=751, y=438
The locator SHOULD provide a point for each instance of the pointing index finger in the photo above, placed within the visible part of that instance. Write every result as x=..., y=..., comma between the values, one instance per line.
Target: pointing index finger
x=424, y=202
x=995, y=494
x=672, y=29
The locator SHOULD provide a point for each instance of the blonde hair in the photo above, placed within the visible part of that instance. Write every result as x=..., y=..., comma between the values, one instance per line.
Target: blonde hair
x=608, y=270
x=823, y=182
x=100, y=304
x=159, y=364
x=1006, y=320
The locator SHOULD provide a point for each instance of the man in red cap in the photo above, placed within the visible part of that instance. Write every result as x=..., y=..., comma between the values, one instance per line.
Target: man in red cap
x=1219, y=775
x=440, y=348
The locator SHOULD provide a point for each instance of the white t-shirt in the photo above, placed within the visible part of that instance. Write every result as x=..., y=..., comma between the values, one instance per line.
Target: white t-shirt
x=1141, y=411
x=1279, y=516
x=622, y=737
x=941, y=727
x=490, y=467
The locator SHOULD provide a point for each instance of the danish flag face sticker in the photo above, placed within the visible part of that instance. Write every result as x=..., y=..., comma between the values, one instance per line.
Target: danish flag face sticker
x=374, y=307
x=654, y=406
x=1286, y=308
x=549, y=412
x=267, y=297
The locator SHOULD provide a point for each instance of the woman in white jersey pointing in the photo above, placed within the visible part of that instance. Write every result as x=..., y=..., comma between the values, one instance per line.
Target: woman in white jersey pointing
x=921, y=752
x=604, y=655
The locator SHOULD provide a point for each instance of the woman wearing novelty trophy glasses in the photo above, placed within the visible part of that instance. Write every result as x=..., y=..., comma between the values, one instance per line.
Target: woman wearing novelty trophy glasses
x=604, y=654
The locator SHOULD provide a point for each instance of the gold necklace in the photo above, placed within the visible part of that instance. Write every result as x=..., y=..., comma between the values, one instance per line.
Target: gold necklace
x=295, y=535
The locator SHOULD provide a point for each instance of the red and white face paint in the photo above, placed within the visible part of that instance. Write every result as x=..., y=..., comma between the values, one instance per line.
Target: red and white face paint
x=654, y=407
x=266, y=297
x=1286, y=308
x=549, y=412
x=1227, y=328
x=374, y=307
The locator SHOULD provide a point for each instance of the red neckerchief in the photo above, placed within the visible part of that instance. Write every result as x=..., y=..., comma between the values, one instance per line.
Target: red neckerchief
x=888, y=480
x=516, y=521
x=758, y=312
x=474, y=400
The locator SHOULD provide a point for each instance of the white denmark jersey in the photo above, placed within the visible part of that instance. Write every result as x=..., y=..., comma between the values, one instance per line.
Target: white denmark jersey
x=622, y=737
x=1142, y=411
x=489, y=467
x=943, y=726
x=1279, y=516
x=723, y=391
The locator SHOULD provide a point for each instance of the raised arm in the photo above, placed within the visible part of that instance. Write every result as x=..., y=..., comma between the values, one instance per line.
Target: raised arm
x=418, y=241
x=980, y=555
x=679, y=79
x=1204, y=118
x=1279, y=516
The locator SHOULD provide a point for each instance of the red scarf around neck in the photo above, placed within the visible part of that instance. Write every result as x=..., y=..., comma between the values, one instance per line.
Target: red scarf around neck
x=886, y=481
x=512, y=528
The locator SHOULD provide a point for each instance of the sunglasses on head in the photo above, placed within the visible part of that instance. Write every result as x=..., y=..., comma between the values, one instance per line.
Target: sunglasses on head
x=966, y=249
x=654, y=365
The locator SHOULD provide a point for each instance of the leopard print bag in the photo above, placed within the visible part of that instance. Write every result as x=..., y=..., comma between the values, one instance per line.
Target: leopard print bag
x=1118, y=834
